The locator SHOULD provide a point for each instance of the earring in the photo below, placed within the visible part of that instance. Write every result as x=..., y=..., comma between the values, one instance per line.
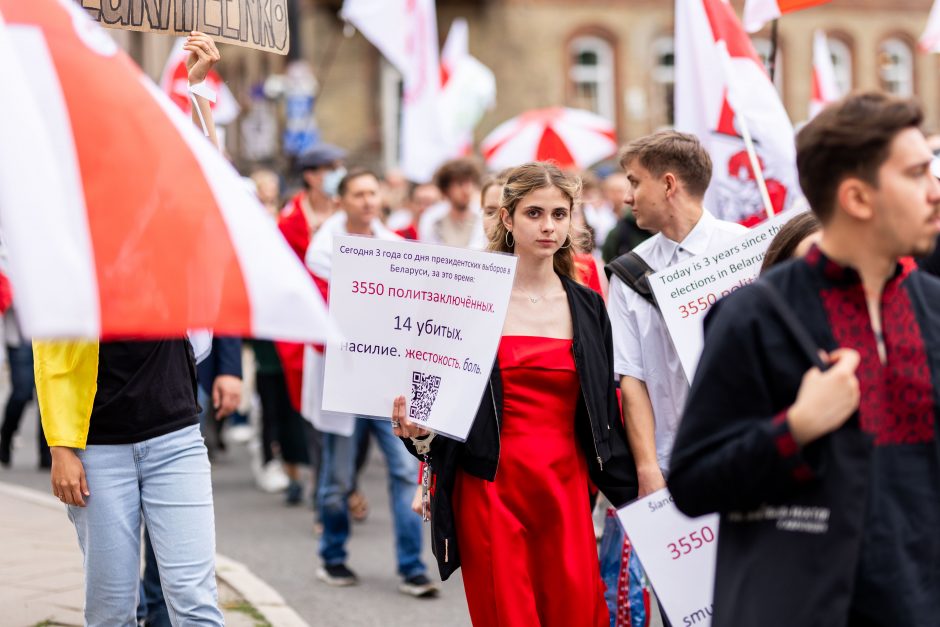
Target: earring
x=568, y=245
x=508, y=235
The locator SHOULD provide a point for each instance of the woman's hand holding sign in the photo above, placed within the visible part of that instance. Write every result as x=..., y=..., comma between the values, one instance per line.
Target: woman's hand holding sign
x=401, y=425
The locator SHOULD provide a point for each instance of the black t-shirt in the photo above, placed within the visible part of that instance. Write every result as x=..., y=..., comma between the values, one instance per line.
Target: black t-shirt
x=145, y=389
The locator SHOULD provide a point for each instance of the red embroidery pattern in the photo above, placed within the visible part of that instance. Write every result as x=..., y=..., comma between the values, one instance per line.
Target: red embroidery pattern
x=623, y=586
x=897, y=398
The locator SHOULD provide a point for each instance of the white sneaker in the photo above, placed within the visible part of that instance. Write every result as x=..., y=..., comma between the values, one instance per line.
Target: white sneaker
x=272, y=479
x=239, y=434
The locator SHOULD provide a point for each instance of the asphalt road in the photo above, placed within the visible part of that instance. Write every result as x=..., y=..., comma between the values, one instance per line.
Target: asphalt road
x=278, y=544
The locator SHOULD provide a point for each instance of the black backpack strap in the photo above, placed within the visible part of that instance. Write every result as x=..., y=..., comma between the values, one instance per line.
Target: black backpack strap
x=634, y=272
x=792, y=322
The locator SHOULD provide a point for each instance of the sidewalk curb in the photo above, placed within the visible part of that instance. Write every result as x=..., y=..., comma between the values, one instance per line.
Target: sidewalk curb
x=263, y=597
x=259, y=594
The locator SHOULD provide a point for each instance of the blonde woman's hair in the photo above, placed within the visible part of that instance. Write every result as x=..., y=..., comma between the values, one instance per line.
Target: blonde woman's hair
x=525, y=179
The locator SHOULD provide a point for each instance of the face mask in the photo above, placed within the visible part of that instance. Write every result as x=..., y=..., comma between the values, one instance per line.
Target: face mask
x=331, y=181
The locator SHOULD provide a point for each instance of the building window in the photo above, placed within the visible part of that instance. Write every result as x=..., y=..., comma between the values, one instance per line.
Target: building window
x=664, y=78
x=591, y=76
x=896, y=67
x=841, y=63
x=762, y=47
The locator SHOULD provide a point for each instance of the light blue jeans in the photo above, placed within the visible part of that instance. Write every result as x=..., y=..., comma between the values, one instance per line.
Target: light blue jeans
x=336, y=481
x=167, y=479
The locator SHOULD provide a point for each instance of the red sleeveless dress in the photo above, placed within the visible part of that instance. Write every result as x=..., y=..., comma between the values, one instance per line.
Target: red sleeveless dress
x=527, y=546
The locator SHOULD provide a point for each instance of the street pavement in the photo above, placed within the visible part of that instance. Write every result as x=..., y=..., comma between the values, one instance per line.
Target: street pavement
x=278, y=544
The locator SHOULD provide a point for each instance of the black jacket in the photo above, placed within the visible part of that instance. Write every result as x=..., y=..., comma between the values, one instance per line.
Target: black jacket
x=875, y=560
x=224, y=358
x=598, y=427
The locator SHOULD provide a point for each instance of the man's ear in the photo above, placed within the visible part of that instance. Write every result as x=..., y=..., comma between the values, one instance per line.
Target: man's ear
x=670, y=184
x=855, y=198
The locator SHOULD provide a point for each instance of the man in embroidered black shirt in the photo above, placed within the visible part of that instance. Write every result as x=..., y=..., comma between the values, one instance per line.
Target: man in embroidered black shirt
x=828, y=482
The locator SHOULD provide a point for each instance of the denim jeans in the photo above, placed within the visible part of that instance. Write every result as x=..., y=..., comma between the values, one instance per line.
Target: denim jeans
x=337, y=479
x=165, y=483
x=21, y=393
x=151, y=609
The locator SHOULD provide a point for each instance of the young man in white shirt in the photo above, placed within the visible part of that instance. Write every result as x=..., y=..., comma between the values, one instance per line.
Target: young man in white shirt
x=668, y=173
x=456, y=220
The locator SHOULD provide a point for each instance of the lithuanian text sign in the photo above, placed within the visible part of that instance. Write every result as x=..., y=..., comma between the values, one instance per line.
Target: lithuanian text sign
x=260, y=24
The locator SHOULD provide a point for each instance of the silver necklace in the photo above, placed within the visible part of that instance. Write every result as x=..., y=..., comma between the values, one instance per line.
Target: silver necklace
x=532, y=299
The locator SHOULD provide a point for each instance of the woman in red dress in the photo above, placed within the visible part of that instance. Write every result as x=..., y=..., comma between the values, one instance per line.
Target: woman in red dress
x=511, y=503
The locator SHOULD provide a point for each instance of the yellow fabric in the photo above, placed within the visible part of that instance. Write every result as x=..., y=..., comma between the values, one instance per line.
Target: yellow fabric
x=66, y=383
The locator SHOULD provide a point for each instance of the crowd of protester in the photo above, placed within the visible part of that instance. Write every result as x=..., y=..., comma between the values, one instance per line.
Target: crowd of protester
x=588, y=399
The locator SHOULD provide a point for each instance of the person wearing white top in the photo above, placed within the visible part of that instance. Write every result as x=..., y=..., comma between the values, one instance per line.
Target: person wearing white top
x=668, y=173
x=456, y=220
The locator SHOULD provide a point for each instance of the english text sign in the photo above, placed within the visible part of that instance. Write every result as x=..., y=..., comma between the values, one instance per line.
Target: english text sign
x=678, y=554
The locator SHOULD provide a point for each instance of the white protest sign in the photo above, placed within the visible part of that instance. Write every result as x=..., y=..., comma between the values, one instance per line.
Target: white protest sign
x=419, y=320
x=685, y=291
x=678, y=554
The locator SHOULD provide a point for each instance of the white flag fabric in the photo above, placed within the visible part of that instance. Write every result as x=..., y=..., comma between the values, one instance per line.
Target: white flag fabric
x=405, y=32
x=930, y=40
x=468, y=90
x=824, y=90
x=121, y=220
x=703, y=96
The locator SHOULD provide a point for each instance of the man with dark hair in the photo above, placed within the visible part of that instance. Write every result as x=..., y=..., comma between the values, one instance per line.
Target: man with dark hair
x=457, y=221
x=667, y=175
x=404, y=221
x=827, y=478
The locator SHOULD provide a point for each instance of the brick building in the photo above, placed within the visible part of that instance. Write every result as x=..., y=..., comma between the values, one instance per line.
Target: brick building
x=611, y=56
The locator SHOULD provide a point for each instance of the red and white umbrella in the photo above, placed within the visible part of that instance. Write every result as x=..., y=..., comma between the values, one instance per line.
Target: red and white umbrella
x=573, y=138
x=119, y=218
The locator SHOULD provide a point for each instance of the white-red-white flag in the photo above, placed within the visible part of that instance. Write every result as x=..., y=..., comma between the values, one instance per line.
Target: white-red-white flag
x=704, y=93
x=759, y=12
x=468, y=90
x=930, y=39
x=825, y=90
x=405, y=32
x=120, y=219
x=174, y=81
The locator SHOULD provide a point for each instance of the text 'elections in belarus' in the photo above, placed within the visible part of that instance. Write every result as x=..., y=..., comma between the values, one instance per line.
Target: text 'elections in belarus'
x=419, y=320
x=688, y=289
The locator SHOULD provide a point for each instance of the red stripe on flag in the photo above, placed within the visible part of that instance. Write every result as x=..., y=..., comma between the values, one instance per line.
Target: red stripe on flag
x=726, y=27
x=551, y=147
x=163, y=256
x=788, y=6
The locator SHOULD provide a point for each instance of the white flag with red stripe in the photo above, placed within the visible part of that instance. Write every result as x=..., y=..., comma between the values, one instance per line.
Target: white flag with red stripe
x=405, y=32
x=759, y=12
x=825, y=90
x=121, y=220
x=468, y=90
x=703, y=107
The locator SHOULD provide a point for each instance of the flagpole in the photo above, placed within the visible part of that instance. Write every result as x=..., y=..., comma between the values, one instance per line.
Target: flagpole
x=772, y=59
x=745, y=132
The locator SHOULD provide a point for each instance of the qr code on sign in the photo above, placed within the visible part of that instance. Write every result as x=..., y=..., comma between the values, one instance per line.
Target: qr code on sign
x=424, y=389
